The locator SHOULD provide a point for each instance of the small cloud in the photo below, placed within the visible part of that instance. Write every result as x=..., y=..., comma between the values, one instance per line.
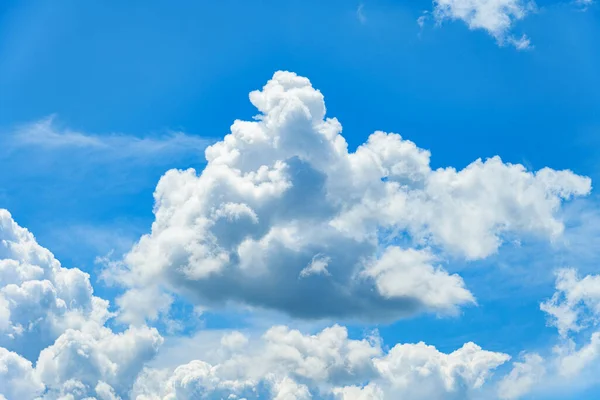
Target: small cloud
x=497, y=18
x=422, y=19
x=360, y=14
x=584, y=4
x=522, y=43
x=317, y=266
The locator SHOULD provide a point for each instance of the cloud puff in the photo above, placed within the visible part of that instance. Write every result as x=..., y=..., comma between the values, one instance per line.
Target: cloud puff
x=494, y=16
x=17, y=378
x=574, y=310
x=285, y=217
x=286, y=364
x=48, y=313
x=80, y=361
x=574, y=298
x=39, y=299
x=523, y=376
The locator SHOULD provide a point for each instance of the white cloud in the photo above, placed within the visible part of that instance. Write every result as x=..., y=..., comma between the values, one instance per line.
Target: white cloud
x=287, y=389
x=318, y=265
x=367, y=392
x=39, y=299
x=140, y=304
x=286, y=364
x=420, y=371
x=84, y=359
x=573, y=362
x=284, y=217
x=573, y=299
x=46, y=134
x=409, y=273
x=497, y=17
x=523, y=376
x=283, y=188
x=49, y=313
x=94, y=358
x=17, y=378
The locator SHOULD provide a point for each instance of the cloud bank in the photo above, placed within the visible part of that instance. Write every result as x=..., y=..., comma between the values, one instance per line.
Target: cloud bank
x=56, y=345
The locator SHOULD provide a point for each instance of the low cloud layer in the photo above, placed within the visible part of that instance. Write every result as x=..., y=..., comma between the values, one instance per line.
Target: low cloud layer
x=285, y=364
x=80, y=357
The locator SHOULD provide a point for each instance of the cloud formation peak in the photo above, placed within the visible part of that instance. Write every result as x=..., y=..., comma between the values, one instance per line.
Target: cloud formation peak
x=285, y=217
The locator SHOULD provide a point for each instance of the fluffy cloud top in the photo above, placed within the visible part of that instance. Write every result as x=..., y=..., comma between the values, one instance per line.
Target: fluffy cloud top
x=494, y=16
x=285, y=217
x=286, y=364
x=39, y=299
x=48, y=313
x=84, y=359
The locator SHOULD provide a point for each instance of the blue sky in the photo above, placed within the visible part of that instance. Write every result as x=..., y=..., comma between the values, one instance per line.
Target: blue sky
x=99, y=99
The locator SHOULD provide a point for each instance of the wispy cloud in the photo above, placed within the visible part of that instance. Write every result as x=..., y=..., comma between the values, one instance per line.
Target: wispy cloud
x=360, y=13
x=96, y=187
x=46, y=134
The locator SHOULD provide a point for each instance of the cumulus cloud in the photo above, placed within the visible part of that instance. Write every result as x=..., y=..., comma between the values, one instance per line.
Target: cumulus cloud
x=496, y=17
x=574, y=310
x=85, y=359
x=39, y=299
x=96, y=358
x=576, y=301
x=399, y=273
x=575, y=307
x=50, y=316
x=285, y=217
x=524, y=375
x=286, y=364
x=17, y=378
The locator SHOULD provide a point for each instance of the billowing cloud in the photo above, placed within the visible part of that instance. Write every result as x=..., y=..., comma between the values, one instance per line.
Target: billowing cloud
x=53, y=342
x=60, y=347
x=286, y=364
x=84, y=360
x=524, y=375
x=39, y=299
x=576, y=301
x=17, y=378
x=285, y=217
x=497, y=17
